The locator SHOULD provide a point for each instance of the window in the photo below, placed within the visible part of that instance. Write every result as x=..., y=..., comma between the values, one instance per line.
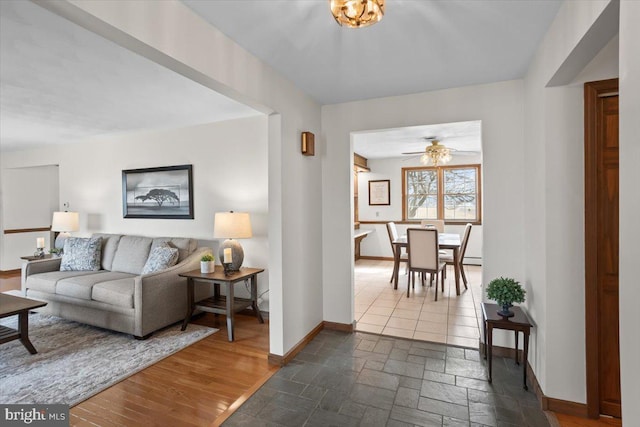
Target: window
x=451, y=193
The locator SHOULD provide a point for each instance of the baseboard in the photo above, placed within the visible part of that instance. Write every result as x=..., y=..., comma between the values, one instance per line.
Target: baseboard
x=377, y=258
x=7, y=274
x=342, y=327
x=546, y=403
x=275, y=359
x=565, y=407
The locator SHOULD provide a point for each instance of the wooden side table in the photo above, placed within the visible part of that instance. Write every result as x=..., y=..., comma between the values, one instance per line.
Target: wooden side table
x=518, y=323
x=221, y=304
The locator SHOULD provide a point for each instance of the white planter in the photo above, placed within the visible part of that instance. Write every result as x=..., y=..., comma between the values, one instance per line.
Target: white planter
x=207, y=266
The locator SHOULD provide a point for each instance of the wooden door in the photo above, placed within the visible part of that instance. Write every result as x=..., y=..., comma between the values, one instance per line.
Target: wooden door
x=601, y=244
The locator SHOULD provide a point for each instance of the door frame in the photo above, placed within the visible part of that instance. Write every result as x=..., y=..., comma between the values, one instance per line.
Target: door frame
x=592, y=92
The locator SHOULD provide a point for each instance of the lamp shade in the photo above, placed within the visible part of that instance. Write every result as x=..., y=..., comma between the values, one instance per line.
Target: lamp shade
x=65, y=221
x=232, y=225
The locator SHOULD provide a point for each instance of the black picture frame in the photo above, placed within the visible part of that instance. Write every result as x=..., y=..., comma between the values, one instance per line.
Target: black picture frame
x=158, y=193
x=380, y=192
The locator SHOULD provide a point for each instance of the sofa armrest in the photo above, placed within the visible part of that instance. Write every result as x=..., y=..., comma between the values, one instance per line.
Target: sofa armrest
x=162, y=295
x=38, y=266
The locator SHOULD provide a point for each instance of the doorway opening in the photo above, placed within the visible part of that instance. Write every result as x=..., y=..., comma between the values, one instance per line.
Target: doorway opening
x=394, y=182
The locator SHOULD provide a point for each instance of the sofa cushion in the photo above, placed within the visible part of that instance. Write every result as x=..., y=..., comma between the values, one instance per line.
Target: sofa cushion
x=115, y=292
x=185, y=246
x=109, y=246
x=81, y=286
x=46, y=282
x=132, y=254
x=81, y=254
x=160, y=258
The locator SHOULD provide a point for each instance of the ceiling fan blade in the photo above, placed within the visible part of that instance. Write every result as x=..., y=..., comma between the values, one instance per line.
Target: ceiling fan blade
x=415, y=152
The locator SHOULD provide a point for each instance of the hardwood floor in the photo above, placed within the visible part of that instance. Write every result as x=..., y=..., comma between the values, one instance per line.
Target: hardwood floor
x=569, y=421
x=194, y=387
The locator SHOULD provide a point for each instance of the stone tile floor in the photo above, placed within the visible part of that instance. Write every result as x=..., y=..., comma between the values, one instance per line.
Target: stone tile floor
x=361, y=379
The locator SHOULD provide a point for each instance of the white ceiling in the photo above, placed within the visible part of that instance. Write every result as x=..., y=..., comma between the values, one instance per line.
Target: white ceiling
x=60, y=83
x=418, y=46
x=462, y=137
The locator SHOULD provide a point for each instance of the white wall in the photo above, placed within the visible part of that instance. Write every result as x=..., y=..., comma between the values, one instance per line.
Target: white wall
x=377, y=244
x=172, y=35
x=229, y=173
x=29, y=196
x=554, y=184
x=629, y=208
x=500, y=108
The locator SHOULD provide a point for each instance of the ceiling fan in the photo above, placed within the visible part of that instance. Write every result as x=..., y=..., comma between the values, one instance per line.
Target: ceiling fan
x=436, y=153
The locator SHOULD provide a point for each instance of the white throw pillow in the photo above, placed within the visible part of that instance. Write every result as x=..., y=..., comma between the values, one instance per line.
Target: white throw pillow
x=161, y=257
x=81, y=254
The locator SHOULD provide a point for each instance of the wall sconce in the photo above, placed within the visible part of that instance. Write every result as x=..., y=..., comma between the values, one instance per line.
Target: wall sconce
x=308, y=144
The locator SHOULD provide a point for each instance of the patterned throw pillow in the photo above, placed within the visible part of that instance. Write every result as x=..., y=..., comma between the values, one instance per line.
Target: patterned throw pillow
x=81, y=254
x=161, y=257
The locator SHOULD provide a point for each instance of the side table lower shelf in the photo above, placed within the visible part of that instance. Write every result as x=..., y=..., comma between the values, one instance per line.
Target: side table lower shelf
x=218, y=304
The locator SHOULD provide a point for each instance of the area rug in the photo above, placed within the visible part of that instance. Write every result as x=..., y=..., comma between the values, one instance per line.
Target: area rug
x=76, y=361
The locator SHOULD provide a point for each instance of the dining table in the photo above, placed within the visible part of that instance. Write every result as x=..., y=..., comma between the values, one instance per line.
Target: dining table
x=445, y=241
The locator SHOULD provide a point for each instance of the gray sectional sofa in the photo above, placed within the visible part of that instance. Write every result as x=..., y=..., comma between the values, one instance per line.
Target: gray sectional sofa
x=118, y=297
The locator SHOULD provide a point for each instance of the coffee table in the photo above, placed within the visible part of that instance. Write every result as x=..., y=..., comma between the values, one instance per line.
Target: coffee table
x=10, y=306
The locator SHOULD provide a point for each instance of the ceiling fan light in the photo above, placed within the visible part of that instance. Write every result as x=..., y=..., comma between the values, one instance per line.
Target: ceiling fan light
x=436, y=154
x=357, y=13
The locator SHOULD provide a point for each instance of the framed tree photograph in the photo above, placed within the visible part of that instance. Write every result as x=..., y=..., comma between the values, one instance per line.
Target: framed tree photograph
x=162, y=193
x=380, y=192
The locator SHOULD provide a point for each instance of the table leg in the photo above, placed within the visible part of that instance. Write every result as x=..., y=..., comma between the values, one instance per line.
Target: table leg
x=254, y=297
x=190, y=297
x=490, y=347
x=396, y=265
x=456, y=267
x=517, y=363
x=484, y=333
x=230, y=311
x=23, y=331
x=525, y=357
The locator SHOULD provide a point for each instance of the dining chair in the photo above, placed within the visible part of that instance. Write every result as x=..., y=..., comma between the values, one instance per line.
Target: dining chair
x=393, y=235
x=463, y=248
x=437, y=223
x=424, y=256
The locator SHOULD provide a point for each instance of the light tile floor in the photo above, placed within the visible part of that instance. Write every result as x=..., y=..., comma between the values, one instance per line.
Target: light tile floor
x=382, y=310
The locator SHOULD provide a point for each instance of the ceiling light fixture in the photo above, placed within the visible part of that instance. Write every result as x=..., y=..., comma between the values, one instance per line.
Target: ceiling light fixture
x=436, y=154
x=357, y=13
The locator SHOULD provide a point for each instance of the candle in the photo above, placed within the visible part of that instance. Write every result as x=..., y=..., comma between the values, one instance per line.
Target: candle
x=228, y=257
x=40, y=242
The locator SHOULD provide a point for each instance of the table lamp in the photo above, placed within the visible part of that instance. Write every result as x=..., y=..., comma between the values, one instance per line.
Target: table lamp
x=231, y=225
x=64, y=222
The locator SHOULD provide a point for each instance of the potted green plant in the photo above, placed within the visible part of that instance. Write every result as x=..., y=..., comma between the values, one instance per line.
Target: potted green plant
x=206, y=264
x=55, y=252
x=505, y=291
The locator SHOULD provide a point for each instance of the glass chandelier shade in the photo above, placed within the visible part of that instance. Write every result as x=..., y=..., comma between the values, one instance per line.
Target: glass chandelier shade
x=357, y=13
x=436, y=154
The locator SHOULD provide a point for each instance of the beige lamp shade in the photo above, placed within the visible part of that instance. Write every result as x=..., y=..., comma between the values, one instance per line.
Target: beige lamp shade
x=65, y=221
x=232, y=225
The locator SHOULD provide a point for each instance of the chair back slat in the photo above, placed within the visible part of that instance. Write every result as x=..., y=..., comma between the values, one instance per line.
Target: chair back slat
x=393, y=235
x=465, y=241
x=423, y=248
